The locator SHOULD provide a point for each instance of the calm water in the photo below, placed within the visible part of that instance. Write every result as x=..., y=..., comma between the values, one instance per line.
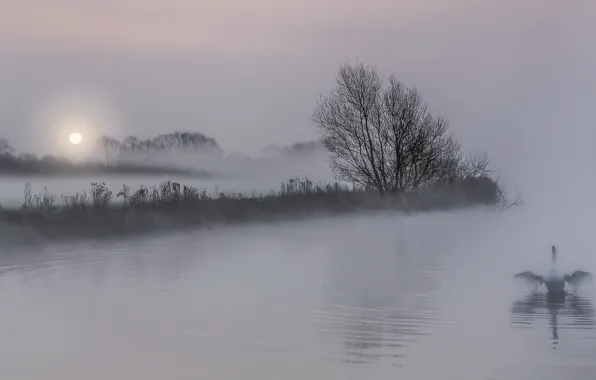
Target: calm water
x=419, y=297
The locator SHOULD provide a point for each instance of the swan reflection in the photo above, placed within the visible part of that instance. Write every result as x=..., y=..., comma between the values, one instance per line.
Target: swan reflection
x=564, y=311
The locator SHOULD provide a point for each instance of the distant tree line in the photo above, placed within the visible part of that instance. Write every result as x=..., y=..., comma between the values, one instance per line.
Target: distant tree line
x=385, y=137
x=114, y=149
x=304, y=147
x=297, y=148
x=26, y=163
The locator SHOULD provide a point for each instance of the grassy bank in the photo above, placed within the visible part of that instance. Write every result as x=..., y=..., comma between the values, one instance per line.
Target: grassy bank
x=169, y=205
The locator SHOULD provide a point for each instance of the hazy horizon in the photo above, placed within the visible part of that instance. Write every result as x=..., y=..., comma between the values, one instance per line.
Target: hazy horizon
x=514, y=80
x=250, y=75
x=376, y=295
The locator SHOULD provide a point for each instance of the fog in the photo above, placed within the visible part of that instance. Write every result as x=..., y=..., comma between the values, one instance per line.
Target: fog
x=494, y=70
x=365, y=296
x=514, y=80
x=273, y=163
x=420, y=296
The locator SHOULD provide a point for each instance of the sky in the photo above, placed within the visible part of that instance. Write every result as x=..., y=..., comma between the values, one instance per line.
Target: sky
x=514, y=78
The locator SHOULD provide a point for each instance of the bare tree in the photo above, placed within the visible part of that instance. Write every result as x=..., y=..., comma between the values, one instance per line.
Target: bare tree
x=110, y=147
x=474, y=166
x=181, y=141
x=387, y=138
x=349, y=119
x=132, y=144
x=5, y=147
x=169, y=141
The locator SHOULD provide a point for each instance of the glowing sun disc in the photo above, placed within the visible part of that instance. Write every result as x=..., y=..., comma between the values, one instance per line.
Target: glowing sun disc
x=75, y=138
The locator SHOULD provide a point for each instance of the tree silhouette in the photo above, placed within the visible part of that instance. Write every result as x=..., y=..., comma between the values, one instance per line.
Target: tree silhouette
x=178, y=141
x=386, y=137
x=5, y=147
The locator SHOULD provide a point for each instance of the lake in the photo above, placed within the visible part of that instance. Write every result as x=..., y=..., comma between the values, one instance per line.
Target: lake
x=419, y=297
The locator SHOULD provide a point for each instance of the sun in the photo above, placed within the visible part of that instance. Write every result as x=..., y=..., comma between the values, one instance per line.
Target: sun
x=75, y=138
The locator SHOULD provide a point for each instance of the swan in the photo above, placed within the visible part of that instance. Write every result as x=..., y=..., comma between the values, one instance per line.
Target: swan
x=555, y=282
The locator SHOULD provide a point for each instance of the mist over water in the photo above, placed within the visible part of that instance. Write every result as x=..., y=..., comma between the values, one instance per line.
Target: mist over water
x=427, y=296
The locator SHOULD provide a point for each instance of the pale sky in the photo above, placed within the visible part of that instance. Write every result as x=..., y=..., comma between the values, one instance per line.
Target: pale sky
x=515, y=78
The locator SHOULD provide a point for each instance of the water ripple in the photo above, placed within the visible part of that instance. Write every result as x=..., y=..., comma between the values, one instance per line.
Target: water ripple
x=365, y=335
x=568, y=312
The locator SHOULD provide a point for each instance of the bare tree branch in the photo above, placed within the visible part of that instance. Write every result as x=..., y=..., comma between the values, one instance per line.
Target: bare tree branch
x=386, y=138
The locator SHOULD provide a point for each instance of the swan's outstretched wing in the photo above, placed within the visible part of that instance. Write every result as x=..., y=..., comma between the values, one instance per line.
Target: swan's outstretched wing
x=578, y=278
x=530, y=277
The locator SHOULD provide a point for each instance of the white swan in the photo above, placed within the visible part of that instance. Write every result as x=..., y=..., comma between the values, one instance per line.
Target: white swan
x=555, y=282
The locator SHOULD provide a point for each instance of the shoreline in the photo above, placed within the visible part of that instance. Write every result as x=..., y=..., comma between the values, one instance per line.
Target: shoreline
x=171, y=206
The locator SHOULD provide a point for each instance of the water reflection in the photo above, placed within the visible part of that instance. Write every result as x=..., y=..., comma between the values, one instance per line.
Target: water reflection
x=567, y=311
x=372, y=309
x=369, y=334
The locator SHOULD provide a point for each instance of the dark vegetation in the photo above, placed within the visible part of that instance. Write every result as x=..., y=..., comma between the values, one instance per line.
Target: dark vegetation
x=101, y=212
x=118, y=157
x=385, y=137
x=383, y=140
x=193, y=142
x=295, y=149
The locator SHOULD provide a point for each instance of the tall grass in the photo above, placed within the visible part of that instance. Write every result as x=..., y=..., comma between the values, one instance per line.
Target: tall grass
x=173, y=205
